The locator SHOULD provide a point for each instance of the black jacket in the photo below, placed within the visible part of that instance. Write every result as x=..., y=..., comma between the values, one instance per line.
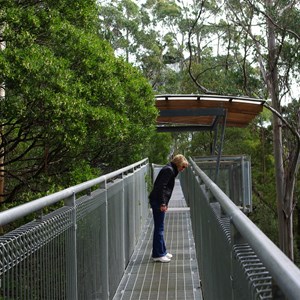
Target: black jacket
x=163, y=185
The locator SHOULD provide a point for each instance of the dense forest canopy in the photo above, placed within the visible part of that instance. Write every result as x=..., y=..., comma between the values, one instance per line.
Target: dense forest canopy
x=78, y=80
x=71, y=108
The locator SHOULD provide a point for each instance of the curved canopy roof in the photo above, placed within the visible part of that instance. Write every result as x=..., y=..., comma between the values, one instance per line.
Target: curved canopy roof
x=202, y=112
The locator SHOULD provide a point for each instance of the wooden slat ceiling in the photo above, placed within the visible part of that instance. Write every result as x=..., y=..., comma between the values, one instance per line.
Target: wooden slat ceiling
x=203, y=110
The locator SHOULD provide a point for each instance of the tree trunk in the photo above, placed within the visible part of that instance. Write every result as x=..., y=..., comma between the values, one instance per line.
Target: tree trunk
x=283, y=196
x=2, y=95
x=1, y=168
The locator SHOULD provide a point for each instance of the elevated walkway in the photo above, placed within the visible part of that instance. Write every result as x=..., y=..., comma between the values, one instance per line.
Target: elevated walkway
x=179, y=279
x=96, y=244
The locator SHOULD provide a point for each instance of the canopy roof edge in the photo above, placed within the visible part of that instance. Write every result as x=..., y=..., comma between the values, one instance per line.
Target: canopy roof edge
x=178, y=110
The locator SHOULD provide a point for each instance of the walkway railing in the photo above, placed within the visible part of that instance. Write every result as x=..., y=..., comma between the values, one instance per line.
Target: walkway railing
x=81, y=249
x=234, y=177
x=235, y=259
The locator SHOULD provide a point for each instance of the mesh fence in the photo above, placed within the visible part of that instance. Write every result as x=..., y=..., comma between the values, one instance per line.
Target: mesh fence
x=228, y=267
x=79, y=251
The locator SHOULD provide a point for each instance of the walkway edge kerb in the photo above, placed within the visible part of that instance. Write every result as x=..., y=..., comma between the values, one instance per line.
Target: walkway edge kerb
x=23, y=210
x=283, y=270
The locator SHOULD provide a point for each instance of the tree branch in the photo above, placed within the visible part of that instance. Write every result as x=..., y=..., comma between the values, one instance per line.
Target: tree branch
x=205, y=90
x=273, y=22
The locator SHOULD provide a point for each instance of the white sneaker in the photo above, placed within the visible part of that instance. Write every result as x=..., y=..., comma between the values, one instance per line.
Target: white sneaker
x=169, y=255
x=163, y=259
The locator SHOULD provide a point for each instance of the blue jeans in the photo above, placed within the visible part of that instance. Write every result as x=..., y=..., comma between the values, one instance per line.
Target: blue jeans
x=159, y=247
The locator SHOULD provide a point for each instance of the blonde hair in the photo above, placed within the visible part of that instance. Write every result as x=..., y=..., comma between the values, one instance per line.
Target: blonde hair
x=179, y=160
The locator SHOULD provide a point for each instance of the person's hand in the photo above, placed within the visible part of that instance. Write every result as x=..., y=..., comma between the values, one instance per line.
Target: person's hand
x=163, y=208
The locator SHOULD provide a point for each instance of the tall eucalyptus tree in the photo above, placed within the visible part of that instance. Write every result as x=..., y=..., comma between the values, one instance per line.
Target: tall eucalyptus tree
x=268, y=30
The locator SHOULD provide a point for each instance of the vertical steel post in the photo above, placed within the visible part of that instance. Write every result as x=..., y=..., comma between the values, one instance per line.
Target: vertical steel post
x=123, y=175
x=243, y=183
x=71, y=253
x=103, y=185
x=221, y=145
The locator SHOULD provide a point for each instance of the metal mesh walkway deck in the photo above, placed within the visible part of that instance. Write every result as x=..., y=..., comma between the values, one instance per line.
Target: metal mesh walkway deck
x=179, y=279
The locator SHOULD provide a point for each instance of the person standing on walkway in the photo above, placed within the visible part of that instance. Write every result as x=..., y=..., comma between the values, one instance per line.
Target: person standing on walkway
x=159, y=200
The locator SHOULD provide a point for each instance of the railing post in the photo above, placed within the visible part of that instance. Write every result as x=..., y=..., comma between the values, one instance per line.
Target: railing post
x=243, y=183
x=122, y=207
x=103, y=186
x=71, y=253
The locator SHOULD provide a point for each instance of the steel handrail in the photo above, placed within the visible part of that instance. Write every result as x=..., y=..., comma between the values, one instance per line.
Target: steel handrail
x=23, y=210
x=284, y=271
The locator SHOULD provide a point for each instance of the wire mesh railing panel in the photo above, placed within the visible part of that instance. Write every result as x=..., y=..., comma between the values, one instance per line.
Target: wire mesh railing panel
x=141, y=193
x=212, y=247
x=116, y=235
x=213, y=242
x=92, y=250
x=233, y=254
x=33, y=258
x=130, y=207
x=234, y=177
x=79, y=251
x=199, y=224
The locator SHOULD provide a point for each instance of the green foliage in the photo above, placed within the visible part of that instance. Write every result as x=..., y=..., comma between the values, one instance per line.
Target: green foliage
x=120, y=25
x=201, y=143
x=72, y=109
x=131, y=31
x=222, y=75
x=160, y=148
x=265, y=218
x=166, y=9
